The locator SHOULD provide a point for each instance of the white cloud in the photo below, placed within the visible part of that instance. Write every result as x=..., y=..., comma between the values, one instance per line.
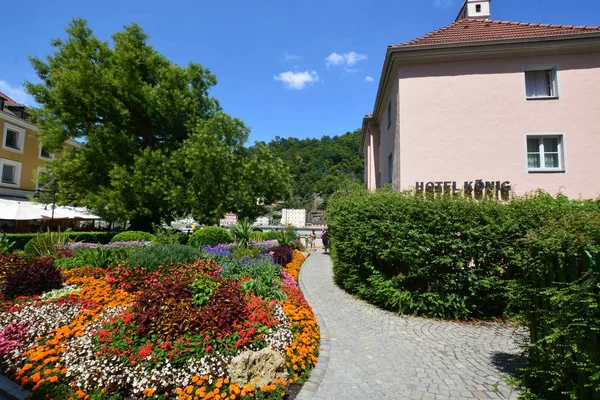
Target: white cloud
x=345, y=60
x=16, y=93
x=369, y=78
x=297, y=80
x=352, y=58
x=291, y=57
x=334, y=59
x=442, y=3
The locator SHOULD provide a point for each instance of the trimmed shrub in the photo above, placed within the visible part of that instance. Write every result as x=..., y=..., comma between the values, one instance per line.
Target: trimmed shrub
x=162, y=254
x=210, y=236
x=130, y=236
x=447, y=257
x=38, y=276
x=282, y=255
x=271, y=235
x=557, y=300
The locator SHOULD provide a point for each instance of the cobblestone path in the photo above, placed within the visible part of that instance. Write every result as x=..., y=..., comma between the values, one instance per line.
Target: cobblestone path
x=368, y=353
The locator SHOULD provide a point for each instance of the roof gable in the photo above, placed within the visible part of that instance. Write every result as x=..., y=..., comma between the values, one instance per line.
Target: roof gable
x=475, y=30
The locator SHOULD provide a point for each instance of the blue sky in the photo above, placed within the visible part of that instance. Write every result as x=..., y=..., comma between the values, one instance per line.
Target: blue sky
x=302, y=69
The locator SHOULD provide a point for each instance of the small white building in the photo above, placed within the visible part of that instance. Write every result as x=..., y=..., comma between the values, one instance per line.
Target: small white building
x=294, y=217
x=262, y=221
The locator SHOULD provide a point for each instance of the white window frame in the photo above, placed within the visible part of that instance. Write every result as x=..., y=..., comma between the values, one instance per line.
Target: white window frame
x=17, y=165
x=45, y=158
x=20, y=139
x=542, y=67
x=562, y=151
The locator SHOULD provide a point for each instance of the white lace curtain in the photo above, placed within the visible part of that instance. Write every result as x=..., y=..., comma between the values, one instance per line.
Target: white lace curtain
x=538, y=83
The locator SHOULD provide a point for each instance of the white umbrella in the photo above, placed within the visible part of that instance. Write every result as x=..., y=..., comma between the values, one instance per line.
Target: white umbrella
x=22, y=210
x=73, y=213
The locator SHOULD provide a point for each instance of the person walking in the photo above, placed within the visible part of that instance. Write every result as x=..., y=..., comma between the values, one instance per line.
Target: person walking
x=311, y=239
x=325, y=240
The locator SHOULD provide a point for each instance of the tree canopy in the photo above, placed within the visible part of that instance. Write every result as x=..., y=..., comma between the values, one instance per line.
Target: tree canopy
x=320, y=166
x=157, y=146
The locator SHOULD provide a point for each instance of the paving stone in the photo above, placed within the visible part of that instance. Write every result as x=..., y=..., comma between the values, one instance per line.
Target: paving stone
x=369, y=353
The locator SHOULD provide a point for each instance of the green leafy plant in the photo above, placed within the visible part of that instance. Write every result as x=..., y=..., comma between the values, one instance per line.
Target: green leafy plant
x=287, y=236
x=245, y=252
x=242, y=232
x=265, y=290
x=6, y=244
x=271, y=235
x=202, y=290
x=131, y=236
x=257, y=236
x=210, y=236
x=167, y=235
x=162, y=254
x=45, y=244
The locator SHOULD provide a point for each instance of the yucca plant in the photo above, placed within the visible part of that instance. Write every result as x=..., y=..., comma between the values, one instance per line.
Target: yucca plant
x=44, y=244
x=242, y=232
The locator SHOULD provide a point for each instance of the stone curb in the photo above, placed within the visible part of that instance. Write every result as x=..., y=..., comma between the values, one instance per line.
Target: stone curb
x=12, y=391
x=318, y=373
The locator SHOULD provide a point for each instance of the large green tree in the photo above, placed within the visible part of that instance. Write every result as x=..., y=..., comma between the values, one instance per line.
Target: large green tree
x=157, y=146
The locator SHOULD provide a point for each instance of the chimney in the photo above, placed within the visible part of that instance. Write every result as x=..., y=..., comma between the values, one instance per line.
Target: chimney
x=479, y=9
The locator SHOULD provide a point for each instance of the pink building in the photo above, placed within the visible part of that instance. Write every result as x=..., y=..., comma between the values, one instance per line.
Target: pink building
x=230, y=219
x=514, y=105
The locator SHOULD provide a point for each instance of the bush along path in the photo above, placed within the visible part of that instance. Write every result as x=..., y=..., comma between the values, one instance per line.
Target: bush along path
x=368, y=353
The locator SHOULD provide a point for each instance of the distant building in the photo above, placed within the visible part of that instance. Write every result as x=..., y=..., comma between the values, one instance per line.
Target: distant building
x=295, y=217
x=230, y=219
x=482, y=104
x=262, y=221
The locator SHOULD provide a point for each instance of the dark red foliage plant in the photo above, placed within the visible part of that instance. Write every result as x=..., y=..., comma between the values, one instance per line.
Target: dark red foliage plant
x=282, y=255
x=167, y=309
x=39, y=275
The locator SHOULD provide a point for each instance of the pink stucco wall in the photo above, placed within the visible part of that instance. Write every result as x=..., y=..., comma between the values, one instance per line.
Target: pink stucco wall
x=467, y=120
x=386, y=143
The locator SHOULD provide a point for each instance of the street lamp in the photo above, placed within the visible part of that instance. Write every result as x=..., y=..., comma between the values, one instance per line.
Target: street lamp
x=42, y=190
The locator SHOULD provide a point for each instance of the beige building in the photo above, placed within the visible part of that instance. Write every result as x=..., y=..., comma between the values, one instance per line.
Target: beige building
x=482, y=104
x=294, y=217
x=21, y=155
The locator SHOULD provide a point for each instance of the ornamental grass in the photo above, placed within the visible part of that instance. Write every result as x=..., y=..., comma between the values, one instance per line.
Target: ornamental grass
x=100, y=337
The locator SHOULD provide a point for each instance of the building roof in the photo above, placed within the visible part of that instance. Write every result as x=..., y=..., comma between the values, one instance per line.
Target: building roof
x=7, y=101
x=474, y=30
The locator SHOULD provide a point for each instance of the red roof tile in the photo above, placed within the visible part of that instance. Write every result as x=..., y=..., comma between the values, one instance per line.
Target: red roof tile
x=8, y=102
x=473, y=30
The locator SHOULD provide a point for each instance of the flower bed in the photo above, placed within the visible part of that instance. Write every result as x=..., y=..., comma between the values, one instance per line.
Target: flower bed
x=124, y=332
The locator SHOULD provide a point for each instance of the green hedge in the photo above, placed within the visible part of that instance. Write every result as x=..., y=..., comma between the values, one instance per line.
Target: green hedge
x=21, y=239
x=559, y=304
x=448, y=257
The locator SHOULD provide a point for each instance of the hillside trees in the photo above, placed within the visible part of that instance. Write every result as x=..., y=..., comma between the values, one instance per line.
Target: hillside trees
x=157, y=145
x=320, y=166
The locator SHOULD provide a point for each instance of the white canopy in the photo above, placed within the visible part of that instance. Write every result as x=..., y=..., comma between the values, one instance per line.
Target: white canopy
x=26, y=210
